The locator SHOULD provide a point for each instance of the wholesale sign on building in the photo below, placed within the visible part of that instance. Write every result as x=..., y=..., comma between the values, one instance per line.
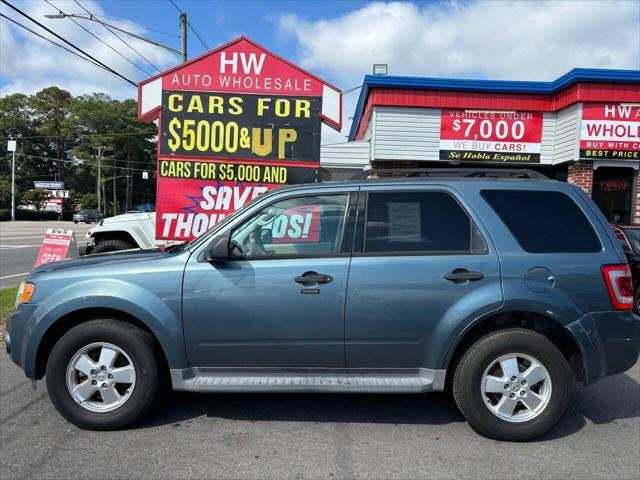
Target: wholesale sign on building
x=610, y=131
x=491, y=136
x=233, y=123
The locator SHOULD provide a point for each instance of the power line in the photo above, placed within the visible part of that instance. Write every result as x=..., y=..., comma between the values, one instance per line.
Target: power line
x=193, y=29
x=100, y=40
x=94, y=163
x=120, y=38
x=80, y=134
x=177, y=7
x=67, y=41
x=57, y=45
x=137, y=25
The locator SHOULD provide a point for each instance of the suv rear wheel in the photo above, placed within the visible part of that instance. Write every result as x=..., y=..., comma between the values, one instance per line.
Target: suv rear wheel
x=103, y=374
x=512, y=384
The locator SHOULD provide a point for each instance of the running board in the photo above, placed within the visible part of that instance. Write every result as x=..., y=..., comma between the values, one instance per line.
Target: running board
x=308, y=380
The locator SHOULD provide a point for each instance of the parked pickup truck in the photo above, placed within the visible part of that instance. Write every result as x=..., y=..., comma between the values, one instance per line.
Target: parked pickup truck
x=504, y=290
x=123, y=232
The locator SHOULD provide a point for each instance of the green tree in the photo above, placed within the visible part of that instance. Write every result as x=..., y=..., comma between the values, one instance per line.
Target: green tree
x=5, y=193
x=88, y=200
x=56, y=137
x=52, y=119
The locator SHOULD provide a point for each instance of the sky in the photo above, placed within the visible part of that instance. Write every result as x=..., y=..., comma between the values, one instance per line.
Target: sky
x=338, y=40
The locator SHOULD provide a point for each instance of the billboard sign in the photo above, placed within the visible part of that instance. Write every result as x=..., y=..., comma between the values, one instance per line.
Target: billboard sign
x=48, y=185
x=490, y=136
x=196, y=194
x=233, y=123
x=252, y=127
x=610, y=131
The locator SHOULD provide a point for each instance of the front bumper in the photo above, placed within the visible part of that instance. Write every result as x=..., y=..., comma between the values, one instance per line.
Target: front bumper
x=609, y=341
x=25, y=329
x=86, y=248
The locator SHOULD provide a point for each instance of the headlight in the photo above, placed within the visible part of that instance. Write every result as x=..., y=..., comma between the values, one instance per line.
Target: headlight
x=25, y=291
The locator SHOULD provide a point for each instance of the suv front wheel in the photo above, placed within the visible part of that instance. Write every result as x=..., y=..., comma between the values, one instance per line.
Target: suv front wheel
x=513, y=384
x=103, y=374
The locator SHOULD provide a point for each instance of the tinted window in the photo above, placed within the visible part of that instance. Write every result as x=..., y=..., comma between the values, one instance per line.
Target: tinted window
x=417, y=222
x=297, y=226
x=544, y=222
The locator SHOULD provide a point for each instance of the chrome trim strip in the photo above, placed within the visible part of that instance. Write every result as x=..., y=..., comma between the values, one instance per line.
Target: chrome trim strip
x=208, y=379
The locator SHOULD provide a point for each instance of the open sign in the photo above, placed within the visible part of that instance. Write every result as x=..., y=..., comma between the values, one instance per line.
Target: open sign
x=297, y=225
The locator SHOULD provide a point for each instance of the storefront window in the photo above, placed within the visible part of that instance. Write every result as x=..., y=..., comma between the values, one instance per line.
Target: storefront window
x=612, y=192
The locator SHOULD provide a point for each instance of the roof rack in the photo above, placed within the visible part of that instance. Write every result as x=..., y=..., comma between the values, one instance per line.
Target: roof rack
x=449, y=173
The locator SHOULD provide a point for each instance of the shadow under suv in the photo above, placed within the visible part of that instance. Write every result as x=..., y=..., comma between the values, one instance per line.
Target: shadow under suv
x=504, y=289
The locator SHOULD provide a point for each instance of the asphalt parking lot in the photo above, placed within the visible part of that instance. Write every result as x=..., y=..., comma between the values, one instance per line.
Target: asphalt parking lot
x=20, y=243
x=317, y=436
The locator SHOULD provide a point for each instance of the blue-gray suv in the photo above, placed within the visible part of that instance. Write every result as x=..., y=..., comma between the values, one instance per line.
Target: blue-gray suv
x=505, y=290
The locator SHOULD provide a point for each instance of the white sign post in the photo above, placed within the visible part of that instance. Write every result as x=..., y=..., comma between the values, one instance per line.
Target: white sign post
x=11, y=147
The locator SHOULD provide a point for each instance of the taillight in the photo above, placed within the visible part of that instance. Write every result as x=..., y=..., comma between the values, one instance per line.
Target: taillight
x=618, y=280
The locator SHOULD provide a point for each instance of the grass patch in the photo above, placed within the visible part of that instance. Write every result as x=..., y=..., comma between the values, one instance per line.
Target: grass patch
x=7, y=302
x=7, y=305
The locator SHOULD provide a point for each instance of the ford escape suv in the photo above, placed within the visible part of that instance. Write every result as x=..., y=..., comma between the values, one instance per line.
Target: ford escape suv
x=505, y=290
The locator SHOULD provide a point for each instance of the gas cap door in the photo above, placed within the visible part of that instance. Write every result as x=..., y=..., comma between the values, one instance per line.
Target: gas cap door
x=539, y=279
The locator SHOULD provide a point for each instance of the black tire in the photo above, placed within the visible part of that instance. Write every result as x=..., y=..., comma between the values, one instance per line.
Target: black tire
x=469, y=372
x=75, y=221
x=146, y=359
x=111, y=246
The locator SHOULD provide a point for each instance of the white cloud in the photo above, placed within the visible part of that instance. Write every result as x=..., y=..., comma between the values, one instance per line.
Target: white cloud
x=528, y=40
x=30, y=63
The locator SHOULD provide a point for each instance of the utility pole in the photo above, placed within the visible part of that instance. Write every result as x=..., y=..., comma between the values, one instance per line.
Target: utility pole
x=99, y=184
x=183, y=35
x=11, y=146
x=114, y=188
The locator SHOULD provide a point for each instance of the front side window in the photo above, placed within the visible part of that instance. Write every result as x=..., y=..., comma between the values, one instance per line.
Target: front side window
x=427, y=222
x=300, y=226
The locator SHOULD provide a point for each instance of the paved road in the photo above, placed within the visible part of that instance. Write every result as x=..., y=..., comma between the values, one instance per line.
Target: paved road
x=19, y=245
x=317, y=436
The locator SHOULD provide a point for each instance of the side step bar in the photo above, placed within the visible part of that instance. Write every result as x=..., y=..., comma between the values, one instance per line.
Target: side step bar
x=308, y=380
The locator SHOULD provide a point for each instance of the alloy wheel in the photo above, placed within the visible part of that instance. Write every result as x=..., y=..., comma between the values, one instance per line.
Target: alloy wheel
x=516, y=387
x=101, y=377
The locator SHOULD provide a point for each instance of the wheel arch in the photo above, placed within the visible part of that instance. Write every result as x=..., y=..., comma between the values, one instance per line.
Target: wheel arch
x=123, y=235
x=71, y=319
x=545, y=325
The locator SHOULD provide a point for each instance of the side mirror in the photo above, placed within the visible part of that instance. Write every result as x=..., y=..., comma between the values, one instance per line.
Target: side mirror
x=218, y=250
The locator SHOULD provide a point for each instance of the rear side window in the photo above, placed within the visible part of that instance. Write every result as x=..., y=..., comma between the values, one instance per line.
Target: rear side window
x=544, y=222
x=428, y=222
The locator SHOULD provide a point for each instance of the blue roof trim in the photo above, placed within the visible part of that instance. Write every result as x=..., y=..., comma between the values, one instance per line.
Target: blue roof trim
x=493, y=86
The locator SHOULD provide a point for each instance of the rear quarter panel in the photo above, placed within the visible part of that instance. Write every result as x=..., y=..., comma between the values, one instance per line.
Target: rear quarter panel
x=578, y=287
